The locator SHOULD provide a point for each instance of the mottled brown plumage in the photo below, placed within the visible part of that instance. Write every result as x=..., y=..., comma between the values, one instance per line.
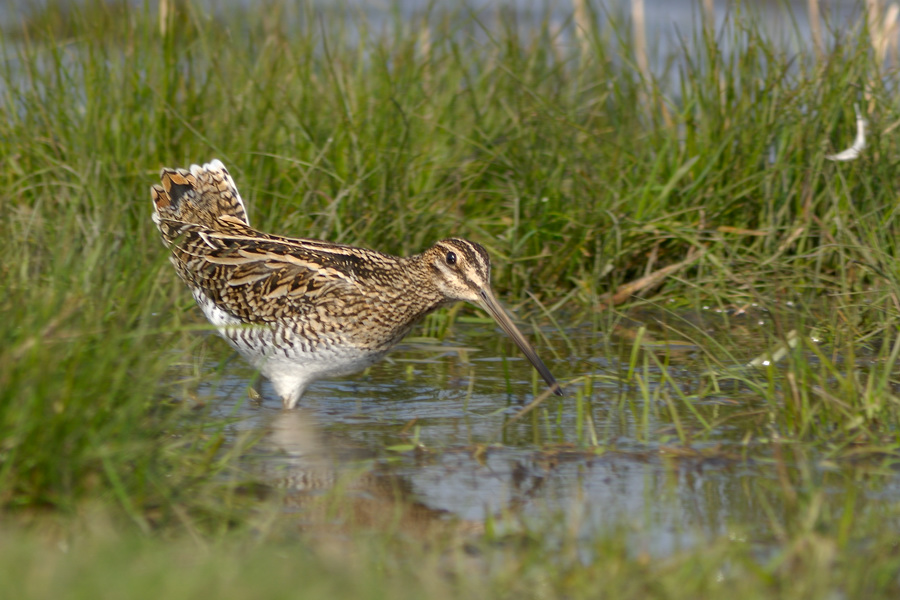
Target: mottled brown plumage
x=301, y=309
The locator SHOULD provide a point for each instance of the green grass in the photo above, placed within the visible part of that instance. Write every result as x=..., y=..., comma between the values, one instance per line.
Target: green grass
x=577, y=173
x=824, y=549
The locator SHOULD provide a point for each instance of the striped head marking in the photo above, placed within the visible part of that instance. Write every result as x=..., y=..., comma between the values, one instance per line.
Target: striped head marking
x=463, y=269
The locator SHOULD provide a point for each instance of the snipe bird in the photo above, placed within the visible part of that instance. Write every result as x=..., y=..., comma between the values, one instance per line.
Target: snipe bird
x=301, y=309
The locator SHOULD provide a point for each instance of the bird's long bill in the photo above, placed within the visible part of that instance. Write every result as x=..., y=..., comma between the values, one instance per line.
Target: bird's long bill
x=489, y=303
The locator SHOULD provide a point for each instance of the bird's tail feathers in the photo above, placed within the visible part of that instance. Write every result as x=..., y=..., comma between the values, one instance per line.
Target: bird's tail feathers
x=201, y=195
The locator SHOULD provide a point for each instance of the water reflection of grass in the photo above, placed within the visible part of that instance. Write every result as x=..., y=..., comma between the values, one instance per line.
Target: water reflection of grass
x=578, y=175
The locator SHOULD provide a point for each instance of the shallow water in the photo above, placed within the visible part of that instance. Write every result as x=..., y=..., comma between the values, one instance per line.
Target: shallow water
x=430, y=428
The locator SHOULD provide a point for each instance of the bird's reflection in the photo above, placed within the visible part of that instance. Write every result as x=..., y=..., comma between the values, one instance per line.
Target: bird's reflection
x=333, y=484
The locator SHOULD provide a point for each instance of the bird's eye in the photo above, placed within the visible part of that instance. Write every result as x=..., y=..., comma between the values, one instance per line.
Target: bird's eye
x=451, y=258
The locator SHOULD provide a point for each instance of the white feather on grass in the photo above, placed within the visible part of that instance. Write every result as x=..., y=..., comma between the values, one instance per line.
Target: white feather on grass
x=859, y=144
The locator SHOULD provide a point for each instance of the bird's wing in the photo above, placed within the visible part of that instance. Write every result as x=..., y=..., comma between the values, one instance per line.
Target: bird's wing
x=262, y=279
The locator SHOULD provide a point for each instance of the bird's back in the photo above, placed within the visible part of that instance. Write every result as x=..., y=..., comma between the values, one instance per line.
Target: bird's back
x=319, y=291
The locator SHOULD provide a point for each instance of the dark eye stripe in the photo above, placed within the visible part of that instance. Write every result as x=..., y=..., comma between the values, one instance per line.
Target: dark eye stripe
x=465, y=252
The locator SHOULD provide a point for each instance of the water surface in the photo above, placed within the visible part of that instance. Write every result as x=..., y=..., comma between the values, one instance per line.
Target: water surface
x=431, y=428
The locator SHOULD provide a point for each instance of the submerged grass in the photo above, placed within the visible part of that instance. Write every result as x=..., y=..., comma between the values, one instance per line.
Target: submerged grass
x=576, y=172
